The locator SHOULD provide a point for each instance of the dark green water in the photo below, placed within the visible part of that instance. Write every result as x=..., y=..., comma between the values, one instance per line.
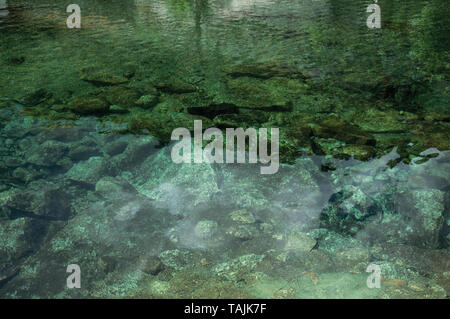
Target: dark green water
x=87, y=178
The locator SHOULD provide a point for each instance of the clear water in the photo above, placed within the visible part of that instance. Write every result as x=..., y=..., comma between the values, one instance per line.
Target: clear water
x=363, y=116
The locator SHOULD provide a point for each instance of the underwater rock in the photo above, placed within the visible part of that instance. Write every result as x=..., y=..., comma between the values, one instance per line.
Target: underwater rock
x=13, y=244
x=121, y=95
x=373, y=120
x=89, y=106
x=206, y=229
x=91, y=170
x=318, y=261
x=413, y=218
x=242, y=216
x=423, y=213
x=257, y=94
x=238, y=267
x=395, y=271
x=137, y=150
x=425, y=178
x=265, y=70
x=82, y=152
x=64, y=134
x=298, y=242
x=36, y=97
x=176, y=259
x=26, y=175
x=174, y=85
x=349, y=258
x=41, y=200
x=327, y=146
x=179, y=188
x=359, y=152
x=48, y=154
x=114, y=187
x=147, y=101
x=160, y=123
x=12, y=162
x=116, y=147
x=153, y=265
x=348, y=210
x=245, y=120
x=117, y=109
x=128, y=210
x=340, y=130
x=212, y=110
x=244, y=186
x=101, y=78
x=242, y=232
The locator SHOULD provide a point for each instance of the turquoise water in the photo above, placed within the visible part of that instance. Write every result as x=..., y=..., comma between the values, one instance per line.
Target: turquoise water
x=87, y=176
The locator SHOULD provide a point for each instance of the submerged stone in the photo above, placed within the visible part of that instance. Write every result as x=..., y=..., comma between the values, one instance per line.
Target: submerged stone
x=89, y=106
x=341, y=130
x=206, y=229
x=117, y=109
x=242, y=232
x=36, y=97
x=122, y=96
x=258, y=94
x=265, y=70
x=238, y=267
x=48, y=154
x=242, y=216
x=299, y=242
x=91, y=170
x=147, y=101
x=153, y=265
x=359, y=152
x=101, y=77
x=349, y=210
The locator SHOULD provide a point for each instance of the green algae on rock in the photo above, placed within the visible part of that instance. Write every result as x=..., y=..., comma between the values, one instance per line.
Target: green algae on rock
x=89, y=106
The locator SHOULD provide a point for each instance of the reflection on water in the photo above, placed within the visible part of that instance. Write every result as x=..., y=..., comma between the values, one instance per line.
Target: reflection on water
x=86, y=175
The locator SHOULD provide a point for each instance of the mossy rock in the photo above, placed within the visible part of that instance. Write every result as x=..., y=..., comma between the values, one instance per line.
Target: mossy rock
x=265, y=70
x=439, y=139
x=101, y=77
x=36, y=97
x=299, y=128
x=162, y=125
x=359, y=152
x=147, y=101
x=343, y=131
x=56, y=116
x=258, y=94
x=122, y=96
x=173, y=84
x=35, y=111
x=244, y=120
x=89, y=106
x=375, y=120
